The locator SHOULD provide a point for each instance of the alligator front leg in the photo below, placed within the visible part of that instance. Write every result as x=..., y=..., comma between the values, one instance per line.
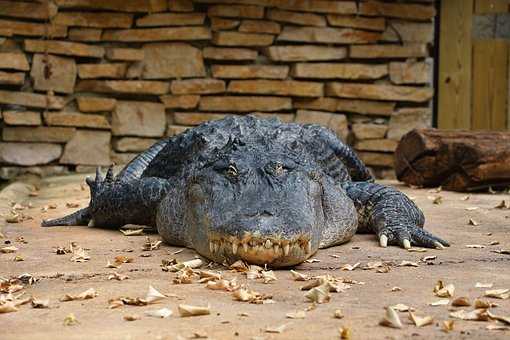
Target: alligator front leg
x=114, y=202
x=391, y=215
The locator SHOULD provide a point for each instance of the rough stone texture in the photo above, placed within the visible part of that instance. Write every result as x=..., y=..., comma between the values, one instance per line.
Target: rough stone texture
x=124, y=86
x=250, y=71
x=132, y=118
x=369, y=131
x=180, y=102
x=14, y=61
x=244, y=104
x=94, y=19
x=411, y=72
x=197, y=86
x=12, y=78
x=171, y=19
x=85, y=34
x=29, y=154
x=22, y=118
x=158, y=34
x=387, y=145
x=365, y=107
x=372, y=24
x=122, y=157
x=408, y=32
x=305, y=19
x=377, y=159
x=31, y=100
x=195, y=118
x=181, y=6
x=88, y=147
x=379, y=92
x=38, y=134
x=327, y=35
x=340, y=71
x=336, y=122
x=404, y=120
x=34, y=29
x=172, y=61
x=174, y=130
x=76, y=119
x=117, y=5
x=28, y=10
x=242, y=39
x=218, y=53
x=61, y=71
x=259, y=26
x=319, y=6
x=132, y=144
x=389, y=51
x=65, y=48
x=95, y=104
x=305, y=53
x=218, y=24
x=397, y=10
x=277, y=87
x=127, y=54
x=91, y=71
x=236, y=11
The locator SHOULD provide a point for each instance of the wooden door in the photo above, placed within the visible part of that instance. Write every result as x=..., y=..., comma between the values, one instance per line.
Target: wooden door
x=474, y=76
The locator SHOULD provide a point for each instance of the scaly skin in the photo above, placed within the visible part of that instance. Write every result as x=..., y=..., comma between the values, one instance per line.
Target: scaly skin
x=252, y=189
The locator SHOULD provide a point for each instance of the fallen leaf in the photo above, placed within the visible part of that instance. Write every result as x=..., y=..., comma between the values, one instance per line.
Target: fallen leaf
x=502, y=251
x=406, y=263
x=251, y=296
x=120, y=259
x=338, y=314
x=318, y=294
x=18, y=258
x=474, y=315
x=117, y=276
x=153, y=295
x=475, y=246
x=439, y=303
x=278, y=329
x=503, y=319
x=70, y=320
x=391, y=319
x=417, y=250
x=461, y=302
x=438, y=200
x=239, y=266
x=131, y=317
x=159, y=313
x=296, y=315
x=428, y=258
x=447, y=326
x=151, y=245
x=72, y=205
x=471, y=208
x=442, y=290
x=112, y=265
x=8, y=250
x=268, y=276
x=435, y=190
x=227, y=285
x=88, y=294
x=312, y=261
x=396, y=289
x=349, y=267
x=40, y=303
x=298, y=276
x=465, y=198
x=8, y=307
x=502, y=205
x=345, y=333
x=496, y=327
x=188, y=310
x=472, y=222
x=399, y=307
x=493, y=243
x=420, y=321
x=479, y=303
x=498, y=293
x=484, y=285
x=79, y=255
x=135, y=232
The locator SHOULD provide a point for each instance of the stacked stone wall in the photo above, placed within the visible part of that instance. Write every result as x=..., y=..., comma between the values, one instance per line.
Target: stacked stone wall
x=93, y=82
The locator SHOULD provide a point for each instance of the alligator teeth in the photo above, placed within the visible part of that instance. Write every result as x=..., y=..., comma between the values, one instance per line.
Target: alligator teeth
x=276, y=248
x=268, y=244
x=286, y=249
x=211, y=246
x=234, y=248
x=245, y=247
x=309, y=247
x=216, y=247
x=91, y=223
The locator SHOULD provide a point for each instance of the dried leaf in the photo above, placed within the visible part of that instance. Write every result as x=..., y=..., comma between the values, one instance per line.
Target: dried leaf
x=484, y=285
x=188, y=310
x=465, y=198
x=420, y=321
x=153, y=295
x=117, y=276
x=502, y=205
x=312, y=261
x=40, y=303
x=338, y=314
x=417, y=250
x=120, y=259
x=8, y=249
x=296, y=315
x=18, y=258
x=132, y=317
x=268, y=276
x=88, y=294
x=472, y=222
x=439, y=303
x=479, y=303
x=239, y=266
x=8, y=307
x=475, y=315
x=471, y=208
x=428, y=258
x=396, y=289
x=498, y=293
x=401, y=308
x=318, y=294
x=227, y=285
x=70, y=320
x=461, y=302
x=475, y=246
x=438, y=200
x=345, y=333
x=251, y=296
x=391, y=319
x=159, y=313
x=447, y=326
x=502, y=251
x=442, y=290
x=151, y=245
x=72, y=205
x=79, y=255
x=503, y=319
x=135, y=232
x=496, y=327
x=298, y=276
x=408, y=264
x=278, y=329
x=349, y=267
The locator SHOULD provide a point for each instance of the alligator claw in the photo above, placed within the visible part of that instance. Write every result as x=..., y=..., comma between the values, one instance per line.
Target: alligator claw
x=383, y=241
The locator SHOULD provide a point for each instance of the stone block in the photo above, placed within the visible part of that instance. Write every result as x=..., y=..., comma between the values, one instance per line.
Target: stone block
x=158, y=34
x=244, y=103
x=88, y=148
x=28, y=10
x=12, y=78
x=85, y=34
x=196, y=118
x=236, y=11
x=124, y=86
x=132, y=118
x=305, y=19
x=354, y=21
x=38, y=134
x=339, y=71
x=409, y=32
x=259, y=26
x=29, y=154
x=397, y=10
x=64, y=47
x=411, y=72
x=369, y=131
x=218, y=24
x=94, y=19
x=95, y=104
x=18, y=27
x=411, y=50
x=172, y=60
x=14, y=61
x=117, y=5
x=76, y=119
x=241, y=39
x=250, y=71
x=336, y=122
x=406, y=119
x=171, y=19
x=92, y=71
x=31, y=100
x=379, y=92
x=197, y=86
x=319, y=6
x=328, y=35
x=277, y=87
x=180, y=102
x=174, y=130
x=377, y=159
x=218, y=53
x=30, y=118
x=53, y=73
x=385, y=145
x=305, y=53
x=126, y=54
x=133, y=144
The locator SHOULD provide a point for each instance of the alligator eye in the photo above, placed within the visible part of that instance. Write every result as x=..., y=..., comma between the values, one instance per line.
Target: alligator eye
x=278, y=168
x=232, y=171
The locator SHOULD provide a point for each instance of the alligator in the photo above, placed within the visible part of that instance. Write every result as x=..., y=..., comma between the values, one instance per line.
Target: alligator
x=258, y=190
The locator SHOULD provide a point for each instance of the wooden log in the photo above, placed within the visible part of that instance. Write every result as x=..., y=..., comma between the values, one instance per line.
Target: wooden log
x=454, y=159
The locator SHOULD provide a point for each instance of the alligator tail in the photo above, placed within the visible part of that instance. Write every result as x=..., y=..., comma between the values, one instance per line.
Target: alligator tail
x=80, y=217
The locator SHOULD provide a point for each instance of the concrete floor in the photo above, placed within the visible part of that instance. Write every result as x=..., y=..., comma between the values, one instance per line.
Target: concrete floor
x=362, y=305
